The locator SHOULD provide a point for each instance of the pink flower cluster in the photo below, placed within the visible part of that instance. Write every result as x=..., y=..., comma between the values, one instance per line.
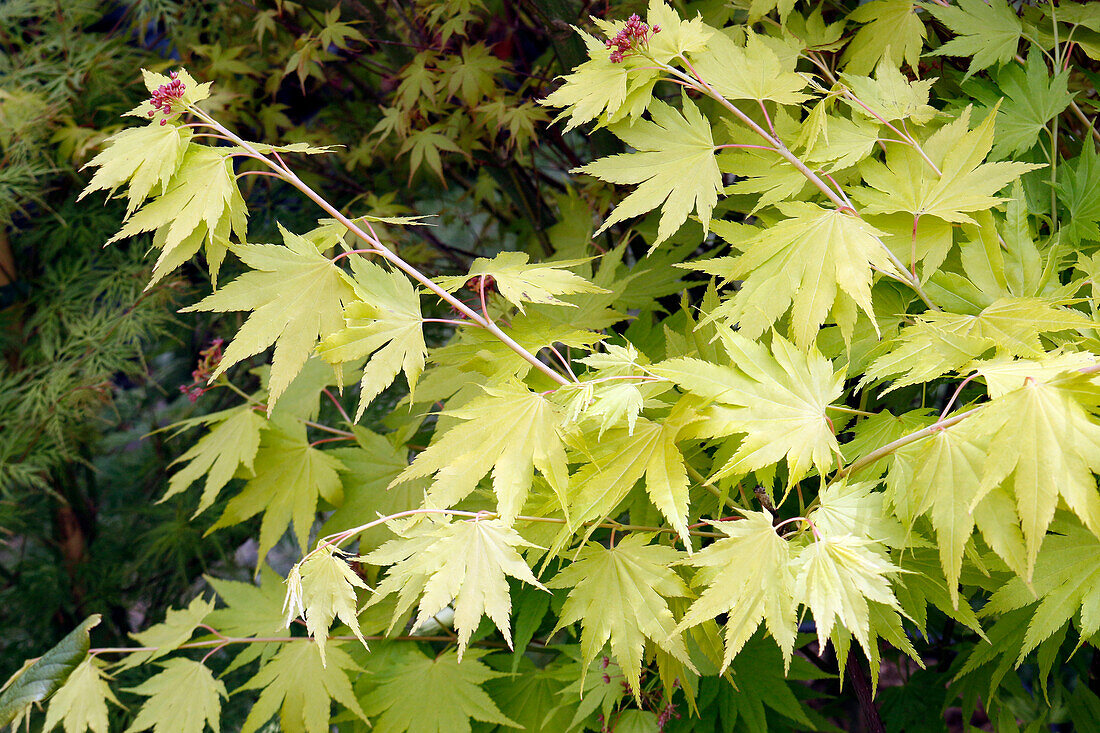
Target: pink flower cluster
x=633, y=33
x=166, y=94
x=209, y=358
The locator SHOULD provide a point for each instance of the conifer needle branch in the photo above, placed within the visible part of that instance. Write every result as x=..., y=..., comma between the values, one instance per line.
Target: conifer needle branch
x=290, y=177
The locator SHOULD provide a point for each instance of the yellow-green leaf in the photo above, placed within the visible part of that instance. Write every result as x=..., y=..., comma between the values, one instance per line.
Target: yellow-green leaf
x=669, y=144
x=618, y=594
x=464, y=563
x=296, y=296
x=183, y=698
x=385, y=324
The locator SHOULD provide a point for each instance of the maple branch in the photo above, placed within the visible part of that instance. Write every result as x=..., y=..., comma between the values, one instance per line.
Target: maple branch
x=220, y=643
x=838, y=199
x=335, y=540
x=902, y=442
x=383, y=251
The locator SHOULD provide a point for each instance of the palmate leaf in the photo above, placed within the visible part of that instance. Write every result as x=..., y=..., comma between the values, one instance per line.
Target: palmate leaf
x=966, y=185
x=837, y=578
x=893, y=33
x=776, y=397
x=290, y=477
x=619, y=459
x=748, y=71
x=369, y=468
x=941, y=342
x=748, y=577
x=889, y=95
x=319, y=589
x=669, y=144
x=989, y=32
x=817, y=261
x=677, y=36
x=940, y=476
x=183, y=698
x=461, y=562
x=1066, y=582
x=250, y=610
x=300, y=688
x=1079, y=192
x=519, y=282
x=162, y=638
x=201, y=207
x=618, y=595
x=144, y=157
x=510, y=431
x=81, y=703
x=1043, y=446
x=416, y=693
x=601, y=90
x=230, y=444
x=42, y=677
x=296, y=296
x=384, y=323
x=1033, y=97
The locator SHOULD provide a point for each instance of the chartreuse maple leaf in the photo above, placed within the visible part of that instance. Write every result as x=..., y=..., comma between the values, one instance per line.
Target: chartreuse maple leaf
x=889, y=96
x=230, y=444
x=81, y=703
x=510, y=431
x=1079, y=192
x=1032, y=98
x=855, y=508
x=201, y=206
x=939, y=476
x=370, y=467
x=893, y=33
x=290, y=476
x=296, y=296
x=144, y=157
x=748, y=577
x=300, y=688
x=250, y=610
x=1066, y=581
x=619, y=595
x=521, y=282
x=1043, y=446
x=964, y=186
x=620, y=459
x=837, y=578
x=464, y=563
x=601, y=90
x=940, y=342
x=162, y=638
x=193, y=92
x=989, y=32
x=385, y=324
x=815, y=262
x=473, y=76
x=776, y=396
x=320, y=588
x=609, y=393
x=749, y=71
x=668, y=144
x=183, y=698
x=416, y=693
x=677, y=36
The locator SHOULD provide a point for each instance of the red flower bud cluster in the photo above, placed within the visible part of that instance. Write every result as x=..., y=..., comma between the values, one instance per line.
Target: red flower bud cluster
x=635, y=32
x=209, y=358
x=165, y=94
